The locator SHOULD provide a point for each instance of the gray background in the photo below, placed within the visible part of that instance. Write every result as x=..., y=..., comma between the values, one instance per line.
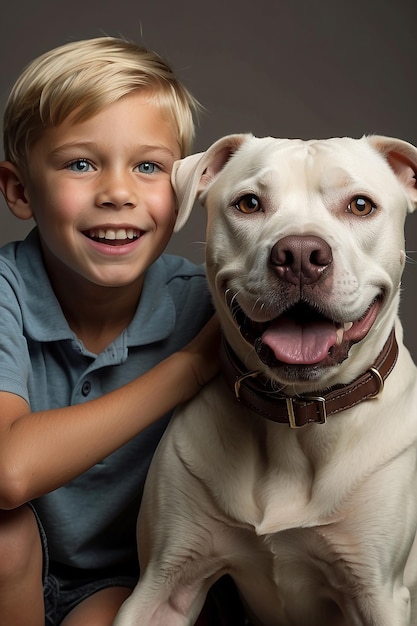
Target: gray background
x=288, y=68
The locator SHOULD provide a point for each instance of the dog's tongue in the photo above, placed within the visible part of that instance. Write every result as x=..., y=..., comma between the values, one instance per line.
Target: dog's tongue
x=300, y=344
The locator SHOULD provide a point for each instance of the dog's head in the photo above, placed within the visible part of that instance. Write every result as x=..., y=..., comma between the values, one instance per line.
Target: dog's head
x=305, y=248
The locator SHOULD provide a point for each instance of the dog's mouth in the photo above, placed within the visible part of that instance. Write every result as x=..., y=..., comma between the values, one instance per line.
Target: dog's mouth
x=303, y=336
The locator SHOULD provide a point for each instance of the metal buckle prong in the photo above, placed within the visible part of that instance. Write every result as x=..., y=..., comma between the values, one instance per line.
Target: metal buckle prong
x=291, y=414
x=321, y=402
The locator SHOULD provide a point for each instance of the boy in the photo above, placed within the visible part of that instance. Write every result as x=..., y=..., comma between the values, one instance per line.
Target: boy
x=88, y=306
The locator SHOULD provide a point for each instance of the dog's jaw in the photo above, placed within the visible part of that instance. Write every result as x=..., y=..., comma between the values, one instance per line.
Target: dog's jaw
x=310, y=339
x=301, y=346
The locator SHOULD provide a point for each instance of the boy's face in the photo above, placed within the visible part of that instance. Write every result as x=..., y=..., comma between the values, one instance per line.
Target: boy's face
x=101, y=194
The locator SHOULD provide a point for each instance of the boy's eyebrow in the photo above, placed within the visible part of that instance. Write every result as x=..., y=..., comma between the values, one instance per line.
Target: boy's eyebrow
x=160, y=148
x=89, y=145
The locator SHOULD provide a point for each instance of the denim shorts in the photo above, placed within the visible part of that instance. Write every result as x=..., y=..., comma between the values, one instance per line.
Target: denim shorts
x=65, y=587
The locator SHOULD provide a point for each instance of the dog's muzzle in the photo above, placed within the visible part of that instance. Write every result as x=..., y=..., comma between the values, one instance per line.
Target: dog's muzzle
x=303, y=334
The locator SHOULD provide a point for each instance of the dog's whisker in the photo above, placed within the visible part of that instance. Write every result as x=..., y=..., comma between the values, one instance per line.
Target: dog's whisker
x=255, y=304
x=233, y=305
x=408, y=258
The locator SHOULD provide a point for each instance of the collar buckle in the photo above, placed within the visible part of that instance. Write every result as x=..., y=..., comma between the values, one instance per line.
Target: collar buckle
x=321, y=406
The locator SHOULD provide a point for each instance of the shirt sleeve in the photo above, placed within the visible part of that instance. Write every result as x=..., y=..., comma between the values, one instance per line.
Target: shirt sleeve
x=14, y=354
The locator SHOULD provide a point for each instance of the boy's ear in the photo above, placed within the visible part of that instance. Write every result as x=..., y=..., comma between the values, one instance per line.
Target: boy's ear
x=12, y=188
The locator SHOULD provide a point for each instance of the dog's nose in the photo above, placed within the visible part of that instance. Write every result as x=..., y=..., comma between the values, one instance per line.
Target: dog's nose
x=301, y=260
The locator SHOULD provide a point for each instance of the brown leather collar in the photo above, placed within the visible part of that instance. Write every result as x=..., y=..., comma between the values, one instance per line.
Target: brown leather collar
x=258, y=394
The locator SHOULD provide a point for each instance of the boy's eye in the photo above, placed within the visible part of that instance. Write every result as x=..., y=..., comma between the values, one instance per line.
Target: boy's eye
x=147, y=167
x=80, y=165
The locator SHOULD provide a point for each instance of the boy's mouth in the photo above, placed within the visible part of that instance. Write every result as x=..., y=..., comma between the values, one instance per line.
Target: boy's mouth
x=113, y=236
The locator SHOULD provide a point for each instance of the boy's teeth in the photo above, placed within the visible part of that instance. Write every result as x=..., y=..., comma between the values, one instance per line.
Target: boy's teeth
x=113, y=234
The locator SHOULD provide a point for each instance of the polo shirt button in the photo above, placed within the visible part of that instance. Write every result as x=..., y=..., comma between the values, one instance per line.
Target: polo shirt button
x=86, y=388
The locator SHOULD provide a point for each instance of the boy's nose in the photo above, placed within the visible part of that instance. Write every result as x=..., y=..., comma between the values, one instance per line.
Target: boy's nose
x=116, y=190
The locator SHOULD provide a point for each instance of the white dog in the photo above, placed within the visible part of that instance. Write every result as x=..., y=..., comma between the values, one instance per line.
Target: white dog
x=295, y=470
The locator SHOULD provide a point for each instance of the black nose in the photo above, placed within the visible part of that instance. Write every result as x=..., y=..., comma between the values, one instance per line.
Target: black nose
x=301, y=260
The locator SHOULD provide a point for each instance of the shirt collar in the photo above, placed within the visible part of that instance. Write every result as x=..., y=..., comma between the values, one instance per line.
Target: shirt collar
x=154, y=319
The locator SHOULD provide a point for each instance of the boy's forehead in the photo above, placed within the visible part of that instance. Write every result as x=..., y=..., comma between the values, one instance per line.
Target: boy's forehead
x=132, y=118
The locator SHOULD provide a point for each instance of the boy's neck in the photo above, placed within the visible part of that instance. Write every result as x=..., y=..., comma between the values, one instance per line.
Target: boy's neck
x=97, y=315
x=99, y=321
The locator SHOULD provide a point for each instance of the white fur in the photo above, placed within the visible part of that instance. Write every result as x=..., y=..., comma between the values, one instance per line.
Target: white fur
x=317, y=526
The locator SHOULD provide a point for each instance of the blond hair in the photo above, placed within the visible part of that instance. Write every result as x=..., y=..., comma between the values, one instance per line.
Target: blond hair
x=83, y=77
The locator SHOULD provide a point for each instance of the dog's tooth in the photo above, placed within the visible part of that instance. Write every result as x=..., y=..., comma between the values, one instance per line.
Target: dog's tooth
x=347, y=326
x=339, y=336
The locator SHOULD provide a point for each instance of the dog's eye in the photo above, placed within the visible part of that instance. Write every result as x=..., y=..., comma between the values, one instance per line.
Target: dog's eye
x=248, y=204
x=361, y=205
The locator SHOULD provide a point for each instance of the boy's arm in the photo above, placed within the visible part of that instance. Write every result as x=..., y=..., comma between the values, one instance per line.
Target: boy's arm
x=44, y=450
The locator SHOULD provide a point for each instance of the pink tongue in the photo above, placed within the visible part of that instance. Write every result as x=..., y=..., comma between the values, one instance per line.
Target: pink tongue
x=297, y=344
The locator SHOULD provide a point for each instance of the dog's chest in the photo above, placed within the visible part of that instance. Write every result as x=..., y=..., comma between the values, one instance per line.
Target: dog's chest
x=272, y=478
x=313, y=582
x=260, y=473
x=296, y=491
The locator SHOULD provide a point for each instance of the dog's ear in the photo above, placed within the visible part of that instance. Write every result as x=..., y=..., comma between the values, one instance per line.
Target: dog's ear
x=190, y=176
x=402, y=157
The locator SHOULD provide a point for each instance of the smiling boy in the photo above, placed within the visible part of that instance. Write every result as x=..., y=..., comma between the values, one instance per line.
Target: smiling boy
x=101, y=195
x=93, y=323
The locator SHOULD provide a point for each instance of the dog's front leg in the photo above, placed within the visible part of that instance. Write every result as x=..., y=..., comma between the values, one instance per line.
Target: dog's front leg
x=154, y=603
x=173, y=586
x=178, y=541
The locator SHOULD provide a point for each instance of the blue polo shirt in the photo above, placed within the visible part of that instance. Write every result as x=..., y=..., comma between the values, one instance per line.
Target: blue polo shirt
x=90, y=522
